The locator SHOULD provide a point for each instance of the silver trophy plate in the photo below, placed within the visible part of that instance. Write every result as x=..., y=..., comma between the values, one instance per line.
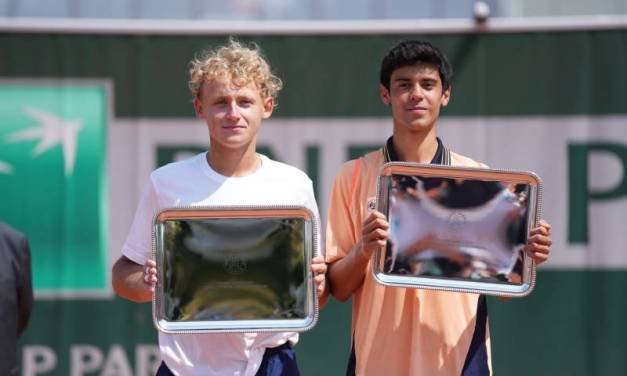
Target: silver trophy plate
x=243, y=269
x=457, y=229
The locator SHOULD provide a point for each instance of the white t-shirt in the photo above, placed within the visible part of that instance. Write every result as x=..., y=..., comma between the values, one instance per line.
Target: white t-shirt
x=192, y=182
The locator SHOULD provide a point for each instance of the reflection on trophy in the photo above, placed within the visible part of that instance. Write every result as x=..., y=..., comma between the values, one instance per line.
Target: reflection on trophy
x=234, y=269
x=465, y=228
x=464, y=225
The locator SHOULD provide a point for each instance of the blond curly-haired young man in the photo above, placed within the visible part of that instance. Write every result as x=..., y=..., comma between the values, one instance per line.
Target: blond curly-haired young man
x=233, y=91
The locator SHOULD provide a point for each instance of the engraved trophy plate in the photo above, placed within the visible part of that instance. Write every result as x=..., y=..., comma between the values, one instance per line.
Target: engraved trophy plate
x=242, y=269
x=457, y=229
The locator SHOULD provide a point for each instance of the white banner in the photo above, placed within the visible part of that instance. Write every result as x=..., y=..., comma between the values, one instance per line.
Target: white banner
x=581, y=160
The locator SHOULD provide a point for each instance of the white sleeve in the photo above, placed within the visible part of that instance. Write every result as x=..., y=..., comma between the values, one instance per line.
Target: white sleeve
x=138, y=244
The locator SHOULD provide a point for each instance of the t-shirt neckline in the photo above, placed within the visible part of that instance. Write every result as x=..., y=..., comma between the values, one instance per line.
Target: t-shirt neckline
x=214, y=175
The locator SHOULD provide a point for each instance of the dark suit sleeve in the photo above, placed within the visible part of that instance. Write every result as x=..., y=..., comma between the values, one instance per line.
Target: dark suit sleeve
x=24, y=286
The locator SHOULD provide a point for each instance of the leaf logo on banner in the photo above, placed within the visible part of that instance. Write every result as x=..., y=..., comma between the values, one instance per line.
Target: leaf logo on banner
x=52, y=131
x=53, y=181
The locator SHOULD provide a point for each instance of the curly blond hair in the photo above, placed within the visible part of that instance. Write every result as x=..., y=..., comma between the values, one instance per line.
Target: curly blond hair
x=236, y=63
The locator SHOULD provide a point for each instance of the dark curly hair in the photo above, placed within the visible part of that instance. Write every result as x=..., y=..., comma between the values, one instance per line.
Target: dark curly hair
x=413, y=52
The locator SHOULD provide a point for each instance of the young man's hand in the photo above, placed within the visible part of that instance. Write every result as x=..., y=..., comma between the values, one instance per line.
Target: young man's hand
x=319, y=269
x=133, y=281
x=374, y=234
x=347, y=274
x=539, y=242
x=150, y=274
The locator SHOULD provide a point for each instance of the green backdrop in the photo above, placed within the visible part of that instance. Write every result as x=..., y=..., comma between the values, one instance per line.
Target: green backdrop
x=574, y=322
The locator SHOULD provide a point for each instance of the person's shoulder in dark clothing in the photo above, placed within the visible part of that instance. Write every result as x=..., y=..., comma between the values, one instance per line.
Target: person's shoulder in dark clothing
x=11, y=235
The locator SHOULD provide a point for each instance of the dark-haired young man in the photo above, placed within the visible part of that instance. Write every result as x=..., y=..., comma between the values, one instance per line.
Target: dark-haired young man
x=398, y=331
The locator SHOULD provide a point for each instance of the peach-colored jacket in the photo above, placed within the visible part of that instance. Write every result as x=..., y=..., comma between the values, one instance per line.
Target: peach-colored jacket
x=397, y=331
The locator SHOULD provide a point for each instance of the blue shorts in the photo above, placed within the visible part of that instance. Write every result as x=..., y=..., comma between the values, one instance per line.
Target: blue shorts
x=277, y=361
